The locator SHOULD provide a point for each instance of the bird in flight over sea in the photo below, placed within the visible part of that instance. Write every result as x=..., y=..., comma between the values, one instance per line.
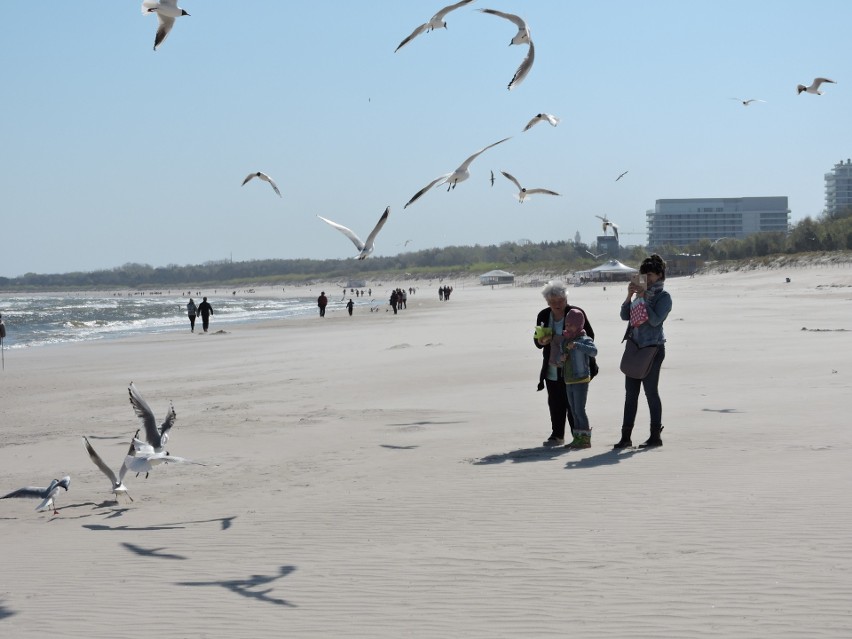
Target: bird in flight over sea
x=365, y=248
x=524, y=193
x=156, y=437
x=814, y=88
x=621, y=176
x=539, y=117
x=167, y=11
x=118, y=487
x=459, y=175
x=525, y=67
x=607, y=223
x=747, y=102
x=265, y=178
x=523, y=34
x=436, y=22
x=46, y=494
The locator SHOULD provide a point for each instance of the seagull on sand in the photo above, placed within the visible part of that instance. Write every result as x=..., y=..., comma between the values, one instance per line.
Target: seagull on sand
x=167, y=11
x=459, y=175
x=156, y=437
x=265, y=178
x=523, y=34
x=621, y=176
x=747, y=102
x=522, y=192
x=524, y=69
x=145, y=458
x=436, y=22
x=47, y=495
x=814, y=88
x=540, y=117
x=365, y=248
x=607, y=223
x=118, y=487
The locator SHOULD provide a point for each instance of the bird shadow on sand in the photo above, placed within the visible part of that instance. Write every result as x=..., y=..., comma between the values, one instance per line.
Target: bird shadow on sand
x=248, y=587
x=427, y=423
x=151, y=552
x=5, y=613
x=721, y=410
x=131, y=528
x=392, y=447
x=607, y=458
x=540, y=453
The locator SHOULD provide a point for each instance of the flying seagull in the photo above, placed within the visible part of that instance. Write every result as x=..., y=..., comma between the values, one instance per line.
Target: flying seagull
x=265, y=178
x=118, y=487
x=621, y=176
x=459, y=175
x=492, y=178
x=522, y=192
x=539, y=117
x=523, y=34
x=814, y=88
x=436, y=22
x=45, y=494
x=524, y=69
x=597, y=257
x=365, y=248
x=145, y=458
x=167, y=11
x=607, y=223
x=156, y=437
x=747, y=102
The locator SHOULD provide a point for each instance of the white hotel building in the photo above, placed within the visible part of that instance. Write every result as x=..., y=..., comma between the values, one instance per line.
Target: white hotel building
x=838, y=188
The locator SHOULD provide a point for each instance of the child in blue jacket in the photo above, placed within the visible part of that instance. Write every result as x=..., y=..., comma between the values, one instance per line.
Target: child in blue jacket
x=577, y=348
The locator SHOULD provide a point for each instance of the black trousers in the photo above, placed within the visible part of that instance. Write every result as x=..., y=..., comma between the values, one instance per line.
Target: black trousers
x=557, y=402
x=205, y=321
x=192, y=322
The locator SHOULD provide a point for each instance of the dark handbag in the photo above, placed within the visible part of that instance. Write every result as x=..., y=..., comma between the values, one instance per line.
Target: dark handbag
x=636, y=362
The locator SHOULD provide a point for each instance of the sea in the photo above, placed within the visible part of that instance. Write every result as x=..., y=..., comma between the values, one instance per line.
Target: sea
x=42, y=320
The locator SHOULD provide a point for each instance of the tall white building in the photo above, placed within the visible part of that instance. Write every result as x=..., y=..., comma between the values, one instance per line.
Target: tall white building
x=838, y=188
x=684, y=222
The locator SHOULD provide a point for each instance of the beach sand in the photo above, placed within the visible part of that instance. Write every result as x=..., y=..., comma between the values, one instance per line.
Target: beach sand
x=383, y=476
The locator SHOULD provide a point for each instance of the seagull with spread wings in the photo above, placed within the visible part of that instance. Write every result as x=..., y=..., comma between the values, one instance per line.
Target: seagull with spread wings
x=46, y=494
x=524, y=193
x=167, y=11
x=366, y=247
x=435, y=22
x=607, y=224
x=523, y=34
x=118, y=487
x=156, y=437
x=459, y=175
x=263, y=176
x=747, y=102
x=541, y=117
x=815, y=85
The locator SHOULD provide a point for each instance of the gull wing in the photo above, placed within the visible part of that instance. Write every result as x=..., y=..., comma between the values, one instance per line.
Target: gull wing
x=149, y=4
x=512, y=179
x=169, y=3
x=443, y=12
x=144, y=412
x=141, y=448
x=413, y=35
x=31, y=491
x=819, y=81
x=372, y=236
x=166, y=24
x=417, y=195
x=273, y=185
x=169, y=421
x=346, y=231
x=131, y=452
x=106, y=470
x=464, y=165
x=511, y=17
x=525, y=67
x=541, y=192
x=249, y=177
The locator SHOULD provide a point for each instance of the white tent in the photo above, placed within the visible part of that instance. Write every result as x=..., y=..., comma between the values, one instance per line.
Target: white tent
x=496, y=277
x=611, y=271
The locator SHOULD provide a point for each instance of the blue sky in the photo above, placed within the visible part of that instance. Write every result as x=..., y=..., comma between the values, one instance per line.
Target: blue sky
x=114, y=153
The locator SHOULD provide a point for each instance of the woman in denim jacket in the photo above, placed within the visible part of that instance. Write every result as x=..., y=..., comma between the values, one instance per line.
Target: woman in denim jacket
x=658, y=303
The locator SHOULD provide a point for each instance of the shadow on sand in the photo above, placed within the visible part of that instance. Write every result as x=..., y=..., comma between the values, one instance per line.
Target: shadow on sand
x=540, y=453
x=150, y=552
x=245, y=587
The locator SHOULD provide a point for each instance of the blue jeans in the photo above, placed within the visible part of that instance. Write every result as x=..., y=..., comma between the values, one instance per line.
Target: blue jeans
x=650, y=384
x=577, y=394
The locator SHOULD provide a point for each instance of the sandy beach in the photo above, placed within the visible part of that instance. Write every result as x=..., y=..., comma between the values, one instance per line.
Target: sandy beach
x=383, y=476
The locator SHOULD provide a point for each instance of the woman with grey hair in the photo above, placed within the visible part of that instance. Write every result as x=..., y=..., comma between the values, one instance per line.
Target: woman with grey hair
x=550, y=377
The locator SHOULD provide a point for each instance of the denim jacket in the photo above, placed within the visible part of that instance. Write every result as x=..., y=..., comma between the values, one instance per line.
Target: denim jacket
x=576, y=367
x=651, y=332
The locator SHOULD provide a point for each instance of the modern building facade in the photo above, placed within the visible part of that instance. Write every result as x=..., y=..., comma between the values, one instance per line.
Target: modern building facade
x=838, y=188
x=684, y=222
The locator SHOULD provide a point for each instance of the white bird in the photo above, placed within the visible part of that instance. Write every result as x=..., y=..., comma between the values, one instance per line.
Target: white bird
x=459, y=175
x=365, y=248
x=525, y=67
x=265, y=178
x=598, y=256
x=118, y=487
x=621, y=176
x=145, y=458
x=156, y=437
x=747, y=102
x=814, y=88
x=167, y=11
x=540, y=117
x=524, y=193
x=607, y=223
x=436, y=22
x=47, y=494
x=523, y=34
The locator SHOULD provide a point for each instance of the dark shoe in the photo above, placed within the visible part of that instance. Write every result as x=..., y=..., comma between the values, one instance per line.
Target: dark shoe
x=624, y=443
x=654, y=441
x=553, y=441
x=580, y=442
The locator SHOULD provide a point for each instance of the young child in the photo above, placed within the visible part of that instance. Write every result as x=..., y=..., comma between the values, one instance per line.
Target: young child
x=577, y=348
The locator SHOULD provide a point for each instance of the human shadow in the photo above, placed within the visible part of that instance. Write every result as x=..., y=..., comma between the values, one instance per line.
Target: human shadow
x=5, y=613
x=244, y=587
x=608, y=458
x=392, y=447
x=150, y=552
x=540, y=453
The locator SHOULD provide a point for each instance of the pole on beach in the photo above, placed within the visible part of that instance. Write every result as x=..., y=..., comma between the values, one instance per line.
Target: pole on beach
x=2, y=335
